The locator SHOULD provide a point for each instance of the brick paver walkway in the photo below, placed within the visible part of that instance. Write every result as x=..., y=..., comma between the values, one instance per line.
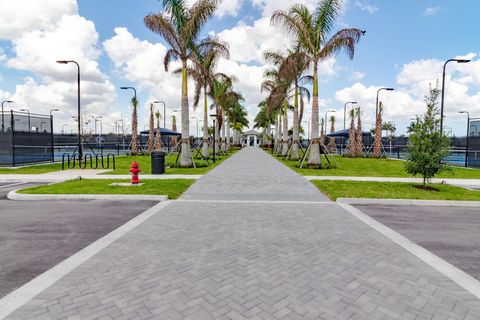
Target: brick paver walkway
x=215, y=255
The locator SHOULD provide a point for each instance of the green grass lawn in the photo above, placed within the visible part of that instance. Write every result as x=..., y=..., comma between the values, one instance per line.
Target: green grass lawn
x=392, y=190
x=36, y=169
x=123, y=164
x=370, y=167
x=173, y=188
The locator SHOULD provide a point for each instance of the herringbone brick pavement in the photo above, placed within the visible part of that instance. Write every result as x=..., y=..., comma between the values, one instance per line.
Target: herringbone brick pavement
x=240, y=260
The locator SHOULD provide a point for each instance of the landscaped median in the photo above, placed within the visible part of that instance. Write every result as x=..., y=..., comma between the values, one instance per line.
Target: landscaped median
x=393, y=190
x=172, y=188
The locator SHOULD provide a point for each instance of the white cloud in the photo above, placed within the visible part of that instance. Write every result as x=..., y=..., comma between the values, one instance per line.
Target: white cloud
x=430, y=11
x=229, y=8
x=462, y=92
x=366, y=6
x=357, y=75
x=269, y=6
x=46, y=33
x=22, y=16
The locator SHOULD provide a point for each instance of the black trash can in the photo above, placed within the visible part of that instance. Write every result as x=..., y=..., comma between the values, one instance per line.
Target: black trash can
x=158, y=162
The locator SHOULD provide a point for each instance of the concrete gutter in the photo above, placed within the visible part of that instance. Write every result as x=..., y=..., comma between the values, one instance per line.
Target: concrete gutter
x=13, y=195
x=470, y=183
x=408, y=202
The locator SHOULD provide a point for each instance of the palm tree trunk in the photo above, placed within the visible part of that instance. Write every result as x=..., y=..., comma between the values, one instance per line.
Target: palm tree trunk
x=285, y=128
x=217, y=131
x=134, y=146
x=205, y=151
x=228, y=134
x=185, y=156
x=277, y=133
x=314, y=157
x=151, y=132
x=223, y=146
x=158, y=137
x=295, y=126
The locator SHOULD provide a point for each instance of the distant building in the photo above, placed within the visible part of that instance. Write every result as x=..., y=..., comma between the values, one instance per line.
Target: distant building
x=250, y=138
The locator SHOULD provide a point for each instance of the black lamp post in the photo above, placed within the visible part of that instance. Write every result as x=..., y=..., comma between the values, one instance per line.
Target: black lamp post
x=28, y=117
x=80, y=149
x=443, y=87
x=3, y=120
x=468, y=139
x=214, y=117
x=376, y=104
x=345, y=112
x=164, y=112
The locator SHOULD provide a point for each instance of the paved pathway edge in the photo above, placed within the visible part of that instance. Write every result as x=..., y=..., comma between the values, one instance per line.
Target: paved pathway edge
x=28, y=291
x=14, y=195
x=464, y=280
x=408, y=202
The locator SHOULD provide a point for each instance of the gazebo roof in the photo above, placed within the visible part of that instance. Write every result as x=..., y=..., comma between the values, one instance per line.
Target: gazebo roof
x=344, y=133
x=251, y=132
x=163, y=132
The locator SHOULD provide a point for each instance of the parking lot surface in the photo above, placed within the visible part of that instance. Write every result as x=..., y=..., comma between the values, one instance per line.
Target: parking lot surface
x=452, y=233
x=37, y=235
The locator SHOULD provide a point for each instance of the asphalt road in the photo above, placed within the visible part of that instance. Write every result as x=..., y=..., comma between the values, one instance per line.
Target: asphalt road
x=452, y=233
x=37, y=235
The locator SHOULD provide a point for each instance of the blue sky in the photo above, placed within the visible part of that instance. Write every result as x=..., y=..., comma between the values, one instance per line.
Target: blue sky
x=404, y=47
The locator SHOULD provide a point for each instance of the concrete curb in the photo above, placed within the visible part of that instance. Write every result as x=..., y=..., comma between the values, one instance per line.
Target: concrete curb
x=28, y=291
x=463, y=279
x=44, y=178
x=408, y=202
x=13, y=195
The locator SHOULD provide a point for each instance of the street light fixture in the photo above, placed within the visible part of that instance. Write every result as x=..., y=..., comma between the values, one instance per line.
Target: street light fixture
x=443, y=88
x=164, y=112
x=80, y=149
x=376, y=104
x=345, y=112
x=101, y=125
x=326, y=120
x=53, y=110
x=468, y=139
x=3, y=120
x=28, y=117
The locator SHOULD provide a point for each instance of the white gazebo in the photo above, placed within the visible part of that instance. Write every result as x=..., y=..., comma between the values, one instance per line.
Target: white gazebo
x=250, y=138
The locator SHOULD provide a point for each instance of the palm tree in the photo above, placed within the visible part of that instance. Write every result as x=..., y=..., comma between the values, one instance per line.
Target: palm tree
x=377, y=138
x=237, y=115
x=203, y=73
x=158, y=137
x=263, y=121
x=359, y=134
x=151, y=132
x=135, y=143
x=331, y=140
x=220, y=92
x=351, y=135
x=174, y=141
x=180, y=27
x=291, y=69
x=390, y=127
x=322, y=132
x=311, y=30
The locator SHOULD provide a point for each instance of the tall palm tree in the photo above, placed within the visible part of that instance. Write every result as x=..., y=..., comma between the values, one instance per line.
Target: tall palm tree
x=263, y=120
x=377, y=138
x=331, y=140
x=135, y=143
x=151, y=132
x=158, y=137
x=237, y=115
x=291, y=69
x=180, y=27
x=351, y=135
x=359, y=134
x=311, y=31
x=203, y=73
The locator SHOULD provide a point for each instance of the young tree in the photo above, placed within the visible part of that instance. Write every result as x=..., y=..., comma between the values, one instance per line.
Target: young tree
x=427, y=145
x=377, y=139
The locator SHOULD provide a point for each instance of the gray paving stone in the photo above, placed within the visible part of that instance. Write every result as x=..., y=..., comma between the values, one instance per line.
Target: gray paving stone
x=253, y=260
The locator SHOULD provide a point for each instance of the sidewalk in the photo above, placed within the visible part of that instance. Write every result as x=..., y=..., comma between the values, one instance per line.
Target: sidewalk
x=253, y=240
x=59, y=176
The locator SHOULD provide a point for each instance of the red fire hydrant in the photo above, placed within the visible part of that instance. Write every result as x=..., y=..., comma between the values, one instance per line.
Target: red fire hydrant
x=135, y=171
